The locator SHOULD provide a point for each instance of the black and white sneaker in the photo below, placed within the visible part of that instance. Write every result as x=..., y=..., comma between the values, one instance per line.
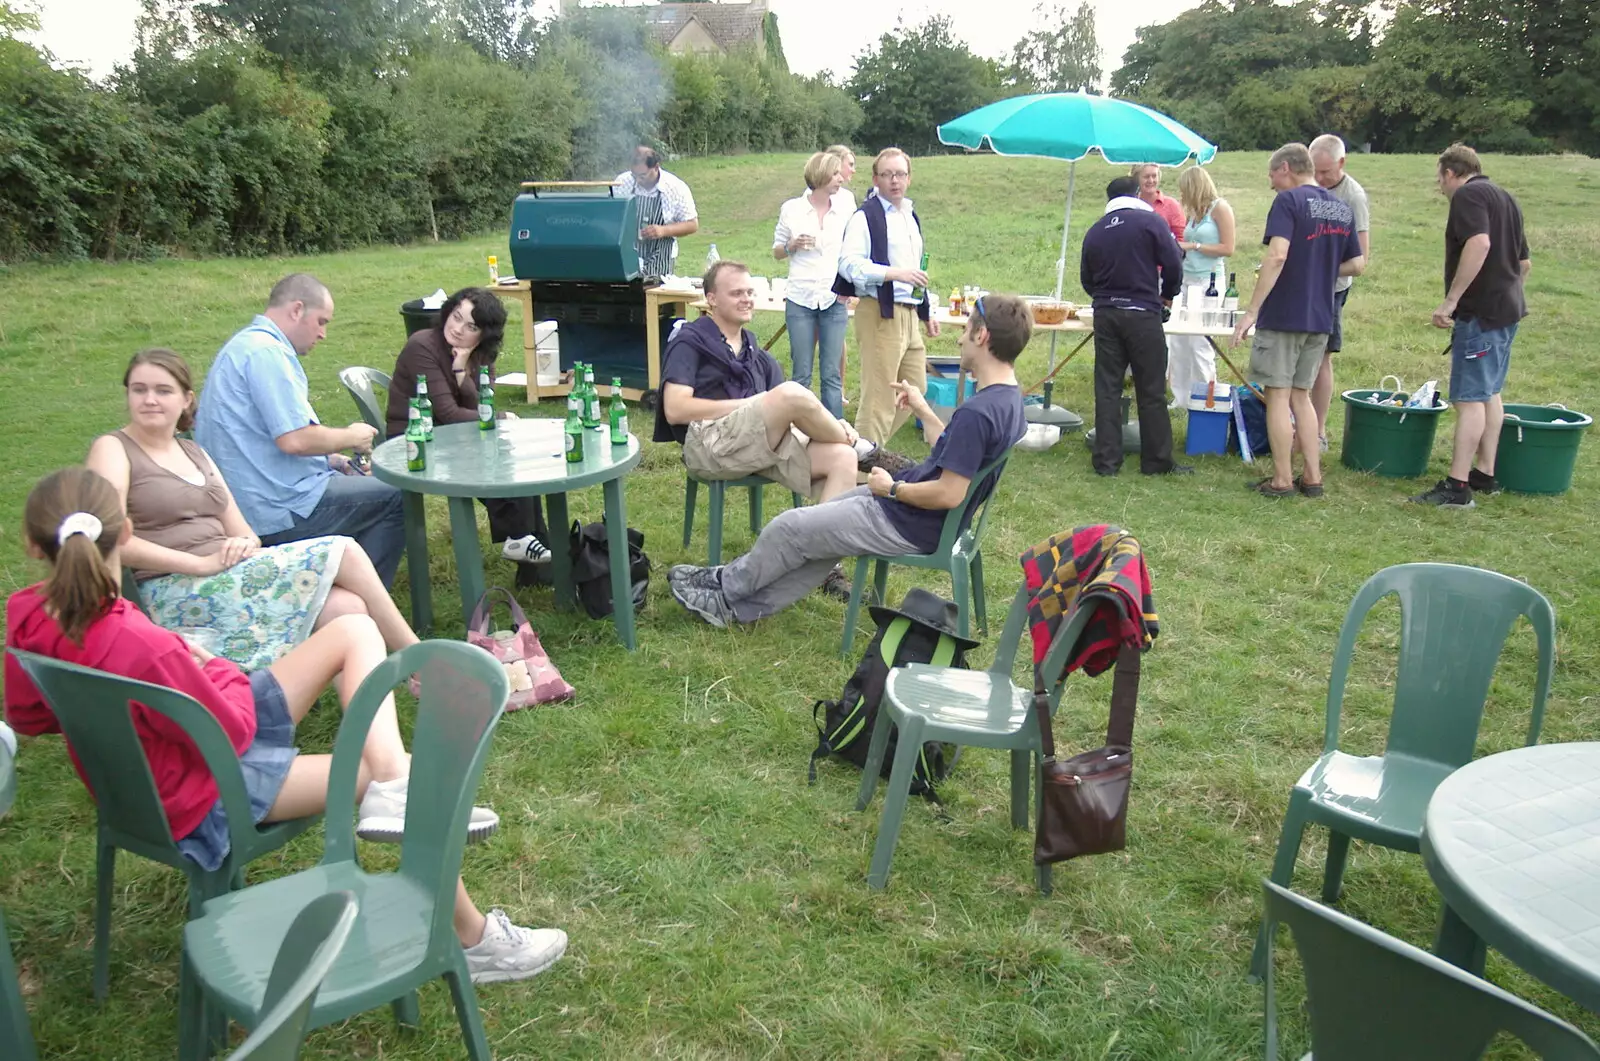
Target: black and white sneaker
x=526, y=550
x=1446, y=495
x=1487, y=485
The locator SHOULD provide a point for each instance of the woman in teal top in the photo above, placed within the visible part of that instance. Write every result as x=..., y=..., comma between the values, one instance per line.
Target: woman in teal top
x=1207, y=242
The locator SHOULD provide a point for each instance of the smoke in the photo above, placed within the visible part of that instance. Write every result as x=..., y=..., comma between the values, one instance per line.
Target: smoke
x=622, y=86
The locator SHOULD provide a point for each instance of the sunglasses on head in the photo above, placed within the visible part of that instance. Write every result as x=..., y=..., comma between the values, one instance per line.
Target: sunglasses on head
x=977, y=307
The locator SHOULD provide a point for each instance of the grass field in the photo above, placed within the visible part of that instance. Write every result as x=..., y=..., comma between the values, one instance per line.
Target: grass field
x=716, y=904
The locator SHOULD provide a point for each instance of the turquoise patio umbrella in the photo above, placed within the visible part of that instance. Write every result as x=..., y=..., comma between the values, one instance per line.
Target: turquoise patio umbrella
x=1071, y=126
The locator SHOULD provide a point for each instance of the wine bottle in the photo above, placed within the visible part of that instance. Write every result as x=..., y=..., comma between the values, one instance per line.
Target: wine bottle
x=1230, y=301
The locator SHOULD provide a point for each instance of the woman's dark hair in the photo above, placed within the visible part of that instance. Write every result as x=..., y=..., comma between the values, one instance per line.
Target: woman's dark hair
x=173, y=365
x=488, y=313
x=80, y=587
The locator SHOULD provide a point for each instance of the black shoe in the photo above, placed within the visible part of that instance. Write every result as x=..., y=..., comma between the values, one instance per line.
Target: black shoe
x=1109, y=473
x=1487, y=485
x=1446, y=495
x=836, y=585
x=1308, y=489
x=1176, y=469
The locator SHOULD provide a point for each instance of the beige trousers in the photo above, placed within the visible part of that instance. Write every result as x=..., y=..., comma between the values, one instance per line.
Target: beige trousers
x=891, y=349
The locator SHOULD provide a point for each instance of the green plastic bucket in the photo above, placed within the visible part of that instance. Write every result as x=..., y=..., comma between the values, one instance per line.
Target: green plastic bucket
x=1539, y=448
x=1387, y=439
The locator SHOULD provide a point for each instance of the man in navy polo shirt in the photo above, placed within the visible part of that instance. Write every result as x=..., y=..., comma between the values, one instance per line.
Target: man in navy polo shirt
x=894, y=514
x=1311, y=242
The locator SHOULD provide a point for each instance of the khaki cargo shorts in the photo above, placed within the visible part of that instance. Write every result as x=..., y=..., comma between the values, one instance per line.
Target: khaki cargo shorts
x=736, y=446
x=1286, y=359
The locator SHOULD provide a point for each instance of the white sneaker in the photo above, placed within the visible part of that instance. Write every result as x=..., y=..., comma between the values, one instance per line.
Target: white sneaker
x=511, y=952
x=864, y=448
x=383, y=814
x=526, y=550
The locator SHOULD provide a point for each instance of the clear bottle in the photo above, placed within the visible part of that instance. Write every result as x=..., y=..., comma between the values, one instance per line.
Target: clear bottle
x=712, y=257
x=485, y=399
x=573, y=432
x=424, y=406
x=591, y=398
x=618, y=414
x=416, y=442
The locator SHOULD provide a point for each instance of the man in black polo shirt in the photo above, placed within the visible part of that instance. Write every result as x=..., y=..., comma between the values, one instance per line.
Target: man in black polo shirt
x=1485, y=264
x=1131, y=268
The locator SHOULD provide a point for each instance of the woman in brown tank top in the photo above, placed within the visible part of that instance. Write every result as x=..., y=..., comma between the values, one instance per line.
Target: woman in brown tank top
x=201, y=569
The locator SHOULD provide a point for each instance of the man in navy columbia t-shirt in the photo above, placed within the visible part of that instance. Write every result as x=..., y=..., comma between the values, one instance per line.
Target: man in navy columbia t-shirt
x=1311, y=242
x=893, y=515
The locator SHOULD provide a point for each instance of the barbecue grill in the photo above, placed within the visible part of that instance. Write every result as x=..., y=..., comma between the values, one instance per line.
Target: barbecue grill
x=575, y=244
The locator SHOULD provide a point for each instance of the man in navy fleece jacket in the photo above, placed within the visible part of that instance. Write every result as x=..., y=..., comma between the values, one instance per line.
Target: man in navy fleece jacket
x=1131, y=268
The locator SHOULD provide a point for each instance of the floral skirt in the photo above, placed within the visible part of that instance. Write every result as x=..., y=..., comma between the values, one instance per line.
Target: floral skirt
x=256, y=610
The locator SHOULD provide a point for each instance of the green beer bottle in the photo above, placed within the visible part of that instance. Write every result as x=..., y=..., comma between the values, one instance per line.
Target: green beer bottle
x=618, y=413
x=918, y=291
x=485, y=399
x=416, y=442
x=424, y=406
x=573, y=431
x=591, y=398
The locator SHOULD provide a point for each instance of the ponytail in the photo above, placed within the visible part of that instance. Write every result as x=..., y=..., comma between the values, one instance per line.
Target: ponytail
x=75, y=518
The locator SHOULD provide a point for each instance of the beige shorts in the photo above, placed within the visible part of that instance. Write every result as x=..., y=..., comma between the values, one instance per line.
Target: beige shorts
x=735, y=446
x=1286, y=359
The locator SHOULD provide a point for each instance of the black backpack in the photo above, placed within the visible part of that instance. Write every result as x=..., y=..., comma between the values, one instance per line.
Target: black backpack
x=591, y=568
x=844, y=726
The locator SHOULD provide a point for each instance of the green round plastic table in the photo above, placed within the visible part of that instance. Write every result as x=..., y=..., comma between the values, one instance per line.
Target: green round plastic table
x=519, y=458
x=1512, y=841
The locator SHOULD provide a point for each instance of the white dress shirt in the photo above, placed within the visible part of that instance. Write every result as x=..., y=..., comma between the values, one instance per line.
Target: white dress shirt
x=905, y=251
x=811, y=271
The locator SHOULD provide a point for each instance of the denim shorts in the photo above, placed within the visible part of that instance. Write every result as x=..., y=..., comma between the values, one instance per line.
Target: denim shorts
x=1479, y=358
x=265, y=765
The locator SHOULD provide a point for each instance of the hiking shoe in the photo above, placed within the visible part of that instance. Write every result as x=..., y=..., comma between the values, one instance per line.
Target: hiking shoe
x=878, y=457
x=383, y=815
x=526, y=550
x=1446, y=495
x=836, y=585
x=1487, y=485
x=701, y=593
x=677, y=571
x=705, y=578
x=1308, y=489
x=511, y=952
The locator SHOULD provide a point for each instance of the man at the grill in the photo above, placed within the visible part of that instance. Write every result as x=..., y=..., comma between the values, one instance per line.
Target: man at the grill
x=724, y=399
x=894, y=514
x=666, y=211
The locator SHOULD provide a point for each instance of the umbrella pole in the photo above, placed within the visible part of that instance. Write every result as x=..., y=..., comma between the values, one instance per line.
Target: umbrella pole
x=1061, y=270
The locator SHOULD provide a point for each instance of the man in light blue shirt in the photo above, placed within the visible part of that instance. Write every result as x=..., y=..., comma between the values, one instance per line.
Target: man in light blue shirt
x=284, y=467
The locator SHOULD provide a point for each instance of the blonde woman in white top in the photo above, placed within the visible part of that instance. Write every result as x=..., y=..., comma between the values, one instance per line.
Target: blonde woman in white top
x=809, y=235
x=1208, y=237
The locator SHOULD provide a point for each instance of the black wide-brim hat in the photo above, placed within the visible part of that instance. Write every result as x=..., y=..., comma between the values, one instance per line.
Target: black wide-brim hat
x=927, y=608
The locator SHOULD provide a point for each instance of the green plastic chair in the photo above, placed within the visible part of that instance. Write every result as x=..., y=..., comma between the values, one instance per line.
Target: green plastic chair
x=307, y=954
x=94, y=710
x=130, y=590
x=16, y=1038
x=1373, y=998
x=973, y=709
x=959, y=552
x=370, y=389
x=717, y=492
x=1453, y=625
x=405, y=935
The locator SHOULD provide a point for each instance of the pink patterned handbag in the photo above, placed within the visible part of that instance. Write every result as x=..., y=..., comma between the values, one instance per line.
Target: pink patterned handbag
x=534, y=679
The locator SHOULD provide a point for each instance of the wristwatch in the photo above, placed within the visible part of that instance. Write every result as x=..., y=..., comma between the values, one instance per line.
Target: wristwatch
x=894, y=488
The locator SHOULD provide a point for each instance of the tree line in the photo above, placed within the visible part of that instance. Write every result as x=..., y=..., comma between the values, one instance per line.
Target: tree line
x=278, y=126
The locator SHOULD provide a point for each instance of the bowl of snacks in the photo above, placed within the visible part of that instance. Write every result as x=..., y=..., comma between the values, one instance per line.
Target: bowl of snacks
x=1049, y=311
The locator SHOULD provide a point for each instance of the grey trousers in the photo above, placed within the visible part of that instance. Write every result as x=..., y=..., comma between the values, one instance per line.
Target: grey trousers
x=794, y=553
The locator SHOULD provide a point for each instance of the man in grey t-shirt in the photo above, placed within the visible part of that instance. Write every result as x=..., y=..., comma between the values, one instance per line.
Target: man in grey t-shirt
x=1327, y=164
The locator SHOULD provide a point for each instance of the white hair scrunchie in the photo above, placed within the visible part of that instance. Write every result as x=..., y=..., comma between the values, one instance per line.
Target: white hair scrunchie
x=84, y=523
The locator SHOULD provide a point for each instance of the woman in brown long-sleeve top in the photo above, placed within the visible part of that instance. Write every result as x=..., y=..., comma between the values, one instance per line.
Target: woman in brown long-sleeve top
x=470, y=329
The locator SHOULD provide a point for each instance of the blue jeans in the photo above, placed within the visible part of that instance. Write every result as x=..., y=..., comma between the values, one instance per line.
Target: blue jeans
x=363, y=508
x=820, y=330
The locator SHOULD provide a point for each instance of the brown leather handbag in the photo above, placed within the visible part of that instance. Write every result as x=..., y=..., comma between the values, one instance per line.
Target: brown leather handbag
x=1083, y=801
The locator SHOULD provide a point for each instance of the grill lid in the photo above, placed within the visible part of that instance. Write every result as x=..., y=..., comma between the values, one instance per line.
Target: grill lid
x=574, y=230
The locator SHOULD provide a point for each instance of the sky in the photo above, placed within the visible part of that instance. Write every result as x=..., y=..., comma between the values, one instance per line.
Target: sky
x=817, y=34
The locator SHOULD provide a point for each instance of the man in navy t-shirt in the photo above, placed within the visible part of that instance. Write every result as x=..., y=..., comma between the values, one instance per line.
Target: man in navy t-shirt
x=1311, y=242
x=894, y=514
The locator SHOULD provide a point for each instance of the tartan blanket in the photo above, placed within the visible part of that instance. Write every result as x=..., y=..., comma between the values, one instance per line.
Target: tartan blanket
x=1101, y=567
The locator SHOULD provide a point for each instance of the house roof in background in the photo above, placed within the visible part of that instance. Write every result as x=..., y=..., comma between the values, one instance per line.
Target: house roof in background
x=730, y=25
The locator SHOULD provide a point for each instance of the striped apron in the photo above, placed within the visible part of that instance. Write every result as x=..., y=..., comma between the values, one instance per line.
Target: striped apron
x=655, y=255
